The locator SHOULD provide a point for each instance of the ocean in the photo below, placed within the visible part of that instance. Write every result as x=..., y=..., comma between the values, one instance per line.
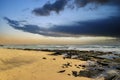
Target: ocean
x=105, y=48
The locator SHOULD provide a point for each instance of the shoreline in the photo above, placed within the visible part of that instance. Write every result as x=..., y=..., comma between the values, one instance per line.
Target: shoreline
x=69, y=64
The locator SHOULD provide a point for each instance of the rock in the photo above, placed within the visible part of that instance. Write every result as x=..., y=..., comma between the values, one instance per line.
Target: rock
x=117, y=60
x=89, y=73
x=91, y=63
x=69, y=74
x=44, y=58
x=83, y=65
x=2, y=45
x=64, y=58
x=103, y=63
x=118, y=68
x=66, y=55
x=70, y=65
x=74, y=57
x=62, y=71
x=101, y=69
x=67, y=65
x=75, y=64
x=79, y=65
x=57, y=53
x=62, y=66
x=74, y=73
x=54, y=58
x=85, y=73
x=85, y=58
x=112, y=75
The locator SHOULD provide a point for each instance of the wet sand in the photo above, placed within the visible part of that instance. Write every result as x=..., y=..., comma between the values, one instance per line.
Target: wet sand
x=36, y=65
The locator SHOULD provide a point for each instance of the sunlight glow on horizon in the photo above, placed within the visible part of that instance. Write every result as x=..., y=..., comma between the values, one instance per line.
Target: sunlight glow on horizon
x=85, y=25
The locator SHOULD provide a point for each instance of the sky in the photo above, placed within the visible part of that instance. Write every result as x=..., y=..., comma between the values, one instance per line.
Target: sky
x=59, y=21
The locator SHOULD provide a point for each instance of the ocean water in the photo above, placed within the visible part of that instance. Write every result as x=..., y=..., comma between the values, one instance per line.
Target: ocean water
x=105, y=48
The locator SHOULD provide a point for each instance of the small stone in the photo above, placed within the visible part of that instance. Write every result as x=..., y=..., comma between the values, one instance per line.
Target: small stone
x=77, y=67
x=44, y=58
x=83, y=65
x=69, y=74
x=62, y=66
x=62, y=71
x=118, y=68
x=74, y=73
x=64, y=58
x=54, y=59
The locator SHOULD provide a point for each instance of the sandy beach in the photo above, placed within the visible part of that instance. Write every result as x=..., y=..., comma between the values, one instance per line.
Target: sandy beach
x=36, y=65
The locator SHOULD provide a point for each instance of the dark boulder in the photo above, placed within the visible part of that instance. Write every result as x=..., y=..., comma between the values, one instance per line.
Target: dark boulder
x=112, y=75
x=90, y=73
x=74, y=73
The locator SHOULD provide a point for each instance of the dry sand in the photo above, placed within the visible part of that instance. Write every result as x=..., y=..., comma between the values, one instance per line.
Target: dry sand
x=30, y=65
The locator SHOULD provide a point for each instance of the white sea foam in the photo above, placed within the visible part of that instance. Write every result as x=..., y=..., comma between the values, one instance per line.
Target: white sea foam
x=104, y=48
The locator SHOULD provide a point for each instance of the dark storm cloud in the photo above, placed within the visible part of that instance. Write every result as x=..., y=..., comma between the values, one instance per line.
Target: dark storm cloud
x=59, y=5
x=82, y=3
x=26, y=28
x=48, y=7
x=105, y=27
x=35, y=29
